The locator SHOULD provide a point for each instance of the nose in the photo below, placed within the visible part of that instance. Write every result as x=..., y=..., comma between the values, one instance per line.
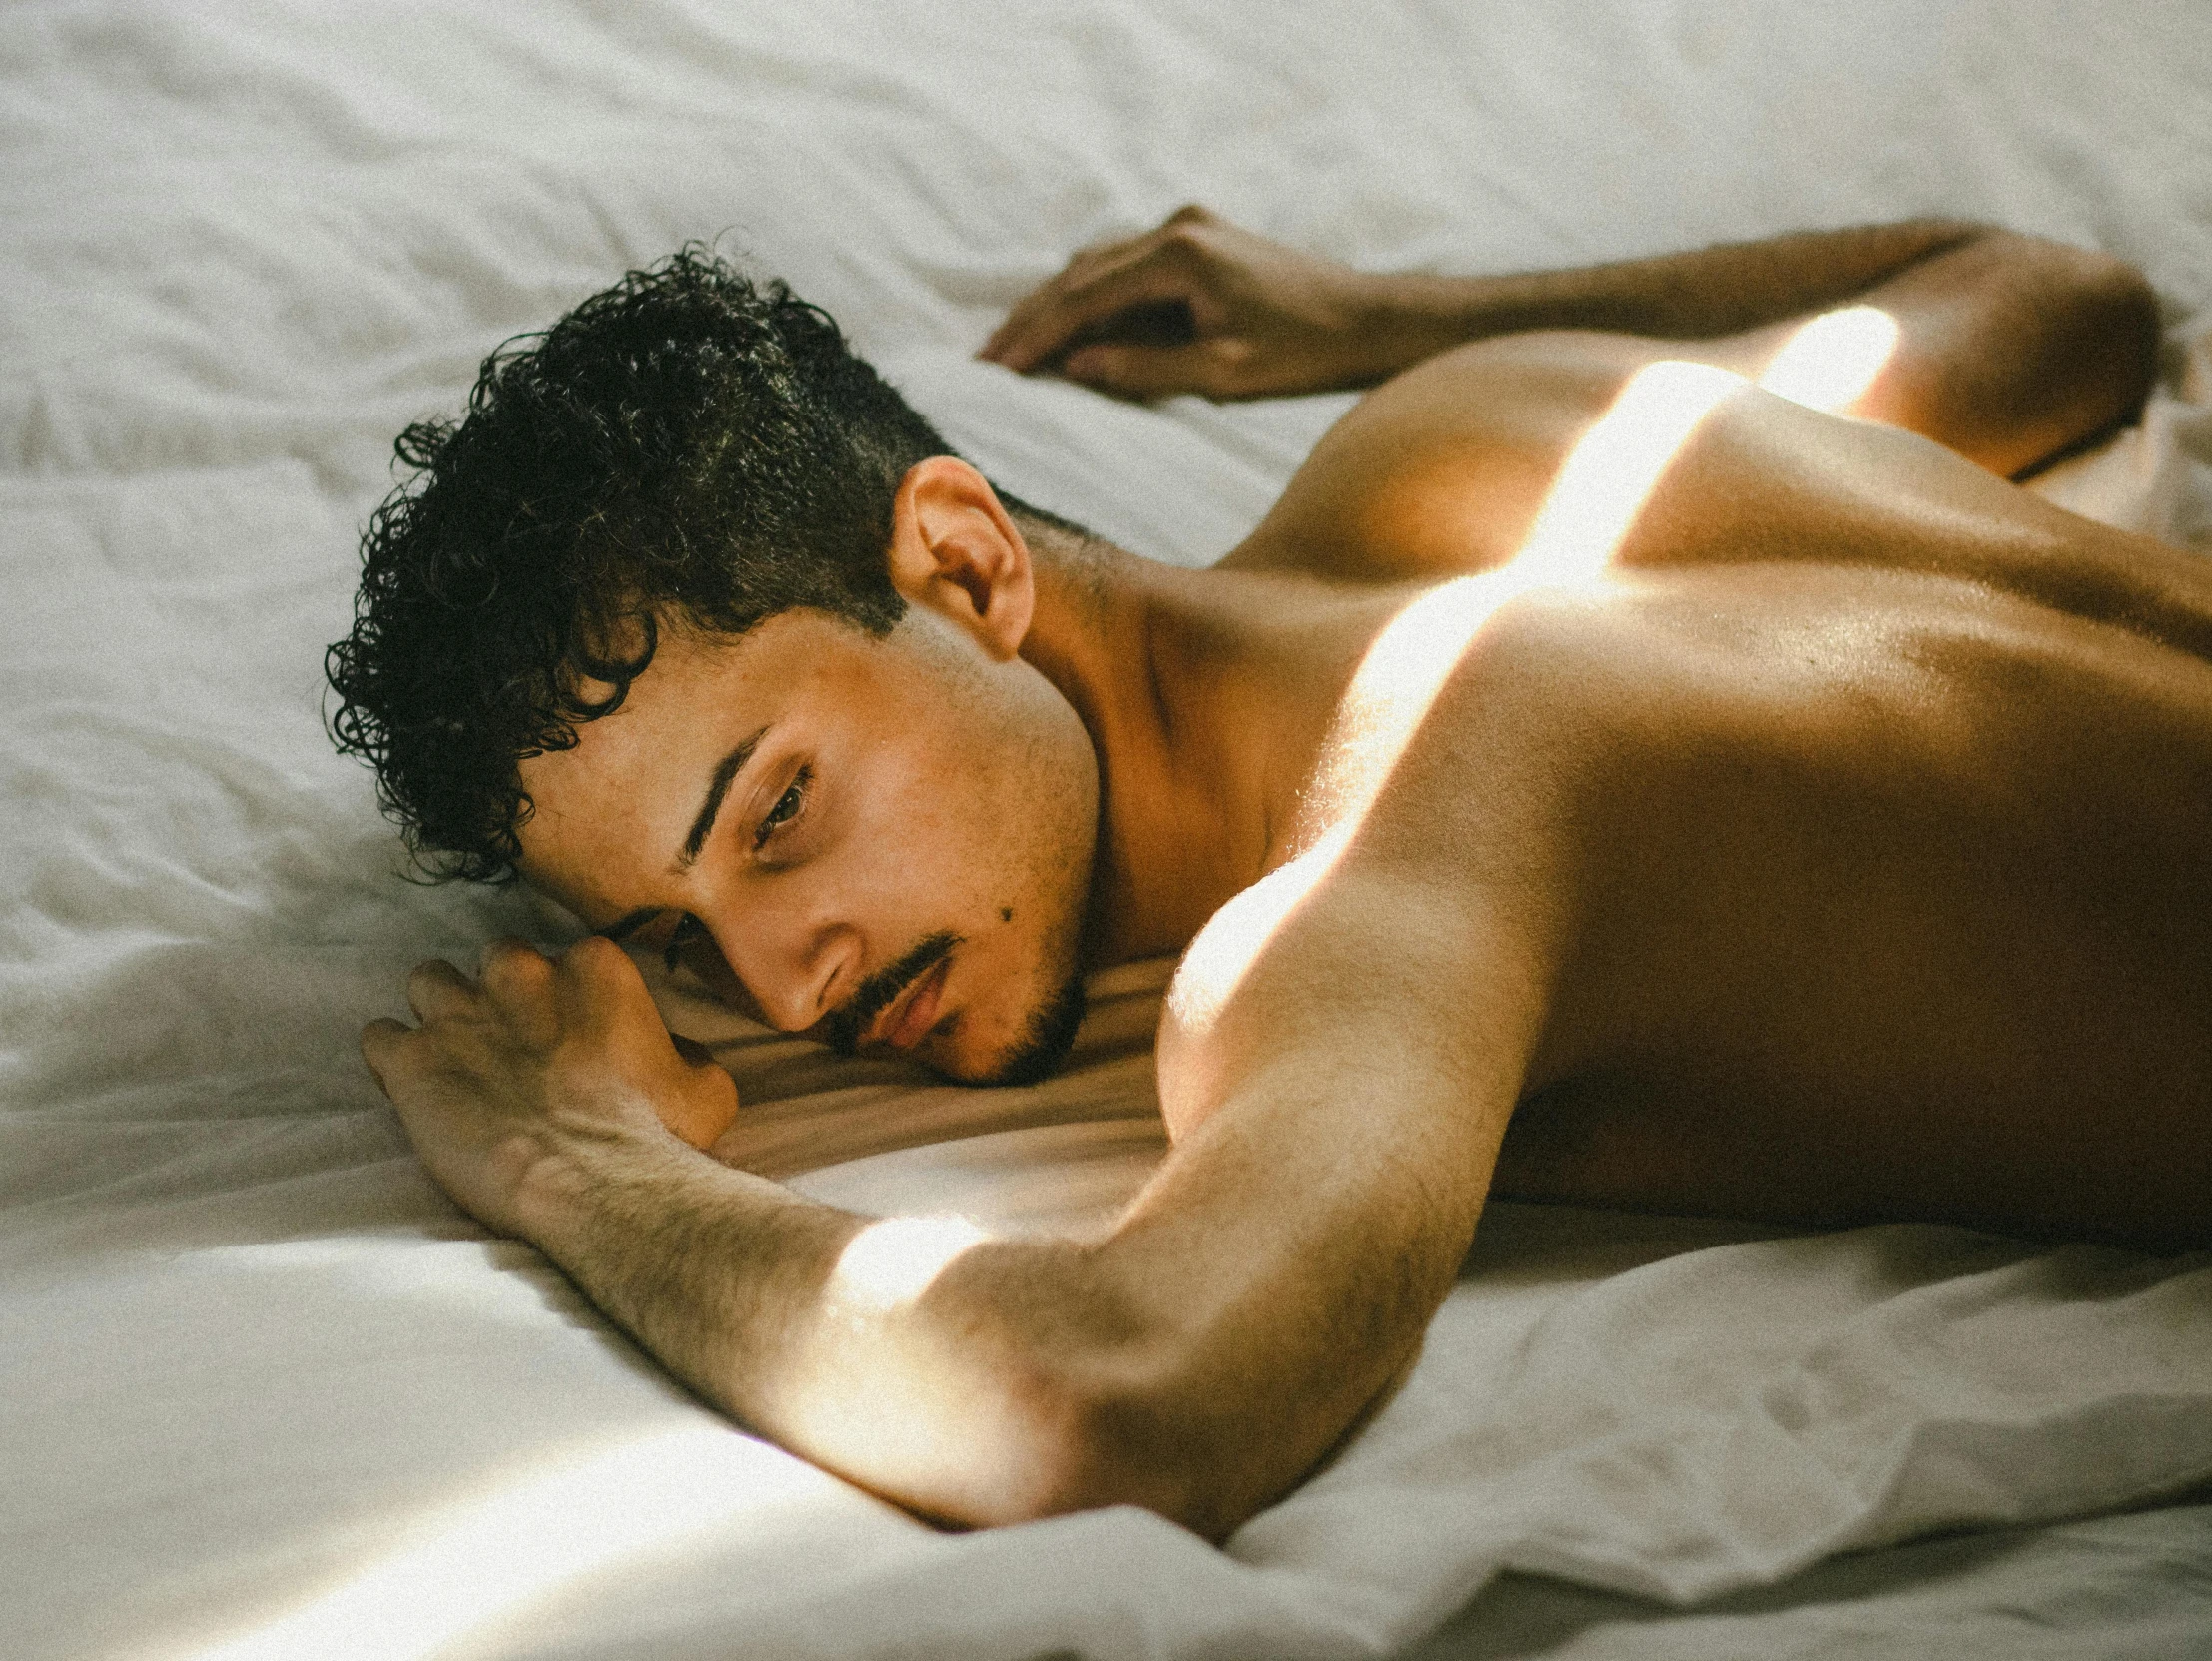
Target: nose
x=795, y=969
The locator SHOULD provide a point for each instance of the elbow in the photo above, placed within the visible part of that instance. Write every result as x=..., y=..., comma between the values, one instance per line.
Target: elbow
x=1102, y=1438
x=1187, y=1466
x=2115, y=326
x=2103, y=331
x=2061, y=348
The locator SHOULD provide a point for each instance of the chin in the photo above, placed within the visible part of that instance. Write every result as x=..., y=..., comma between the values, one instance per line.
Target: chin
x=1046, y=1034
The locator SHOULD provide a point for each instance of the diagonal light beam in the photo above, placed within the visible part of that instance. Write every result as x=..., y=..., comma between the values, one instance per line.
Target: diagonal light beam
x=890, y=1263
x=1593, y=504
x=1830, y=362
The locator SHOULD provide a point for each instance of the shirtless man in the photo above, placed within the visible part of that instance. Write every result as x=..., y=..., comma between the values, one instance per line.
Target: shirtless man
x=1816, y=831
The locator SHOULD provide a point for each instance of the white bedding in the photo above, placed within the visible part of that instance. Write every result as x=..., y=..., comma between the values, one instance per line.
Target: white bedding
x=264, y=1393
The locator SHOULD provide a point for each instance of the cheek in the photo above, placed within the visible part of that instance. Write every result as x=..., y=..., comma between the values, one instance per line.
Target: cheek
x=912, y=857
x=960, y=826
x=1047, y=854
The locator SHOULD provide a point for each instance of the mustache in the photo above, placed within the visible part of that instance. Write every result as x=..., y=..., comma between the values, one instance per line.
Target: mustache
x=880, y=990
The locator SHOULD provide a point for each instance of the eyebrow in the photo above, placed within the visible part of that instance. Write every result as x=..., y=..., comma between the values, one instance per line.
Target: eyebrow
x=717, y=789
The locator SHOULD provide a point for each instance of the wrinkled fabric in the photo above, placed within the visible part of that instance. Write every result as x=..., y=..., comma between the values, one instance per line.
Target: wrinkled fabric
x=264, y=1393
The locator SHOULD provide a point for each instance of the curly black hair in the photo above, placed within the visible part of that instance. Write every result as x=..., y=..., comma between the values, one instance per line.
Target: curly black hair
x=687, y=444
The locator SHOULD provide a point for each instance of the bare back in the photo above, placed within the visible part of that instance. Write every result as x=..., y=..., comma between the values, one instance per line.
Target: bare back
x=1853, y=836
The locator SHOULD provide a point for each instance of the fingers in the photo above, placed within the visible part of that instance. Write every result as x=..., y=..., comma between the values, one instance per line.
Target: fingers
x=596, y=987
x=603, y=967
x=1167, y=264
x=512, y=969
x=436, y=988
x=521, y=986
x=1067, y=308
x=377, y=1041
x=704, y=1110
x=1022, y=318
x=512, y=973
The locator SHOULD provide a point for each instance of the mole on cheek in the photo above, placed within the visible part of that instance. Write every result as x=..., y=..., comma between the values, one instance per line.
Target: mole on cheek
x=1005, y=913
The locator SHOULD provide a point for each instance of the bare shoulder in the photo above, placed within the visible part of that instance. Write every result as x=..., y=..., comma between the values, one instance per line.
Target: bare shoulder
x=1445, y=471
x=1441, y=470
x=1404, y=938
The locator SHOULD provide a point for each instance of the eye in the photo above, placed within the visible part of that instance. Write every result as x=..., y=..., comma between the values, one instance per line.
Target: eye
x=787, y=808
x=688, y=929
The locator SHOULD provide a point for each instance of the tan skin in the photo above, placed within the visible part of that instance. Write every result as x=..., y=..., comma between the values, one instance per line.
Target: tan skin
x=1840, y=855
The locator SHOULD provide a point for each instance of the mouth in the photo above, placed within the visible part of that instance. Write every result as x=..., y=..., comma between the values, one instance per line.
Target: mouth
x=898, y=1004
x=911, y=1017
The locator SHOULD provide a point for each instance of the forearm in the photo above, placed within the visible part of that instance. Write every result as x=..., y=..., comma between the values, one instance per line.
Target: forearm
x=2012, y=347
x=969, y=1379
x=709, y=1268
x=961, y=1394
x=2008, y=349
x=1700, y=294
x=978, y=1380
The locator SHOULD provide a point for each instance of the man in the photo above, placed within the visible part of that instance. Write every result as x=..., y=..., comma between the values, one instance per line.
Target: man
x=1598, y=779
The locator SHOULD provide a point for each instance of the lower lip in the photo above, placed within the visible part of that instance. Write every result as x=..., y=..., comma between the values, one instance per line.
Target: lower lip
x=921, y=1011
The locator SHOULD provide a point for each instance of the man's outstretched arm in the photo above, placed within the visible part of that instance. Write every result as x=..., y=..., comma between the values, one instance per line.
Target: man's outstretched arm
x=2020, y=346
x=542, y=1098
x=1267, y=1289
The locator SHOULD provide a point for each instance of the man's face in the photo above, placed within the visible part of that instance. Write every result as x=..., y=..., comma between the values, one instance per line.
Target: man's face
x=888, y=841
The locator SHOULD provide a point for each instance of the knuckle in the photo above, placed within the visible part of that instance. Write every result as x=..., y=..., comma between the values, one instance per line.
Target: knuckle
x=1189, y=248
x=512, y=965
x=1053, y=325
x=596, y=955
x=1113, y=371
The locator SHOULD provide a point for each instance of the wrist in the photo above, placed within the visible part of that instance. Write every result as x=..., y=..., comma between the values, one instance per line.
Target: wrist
x=1406, y=318
x=553, y=1185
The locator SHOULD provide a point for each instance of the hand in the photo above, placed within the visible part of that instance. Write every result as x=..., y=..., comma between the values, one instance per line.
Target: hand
x=1202, y=306
x=541, y=1058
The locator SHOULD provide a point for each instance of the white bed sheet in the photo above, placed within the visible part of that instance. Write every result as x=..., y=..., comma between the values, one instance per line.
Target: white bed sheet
x=263, y=1392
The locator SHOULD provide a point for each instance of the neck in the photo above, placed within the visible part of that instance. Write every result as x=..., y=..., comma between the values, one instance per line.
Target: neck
x=1203, y=714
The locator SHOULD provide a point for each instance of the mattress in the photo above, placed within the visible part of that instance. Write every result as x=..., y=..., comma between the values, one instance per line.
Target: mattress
x=264, y=1393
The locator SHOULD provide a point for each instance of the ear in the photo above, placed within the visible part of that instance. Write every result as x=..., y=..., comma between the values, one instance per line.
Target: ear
x=954, y=551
